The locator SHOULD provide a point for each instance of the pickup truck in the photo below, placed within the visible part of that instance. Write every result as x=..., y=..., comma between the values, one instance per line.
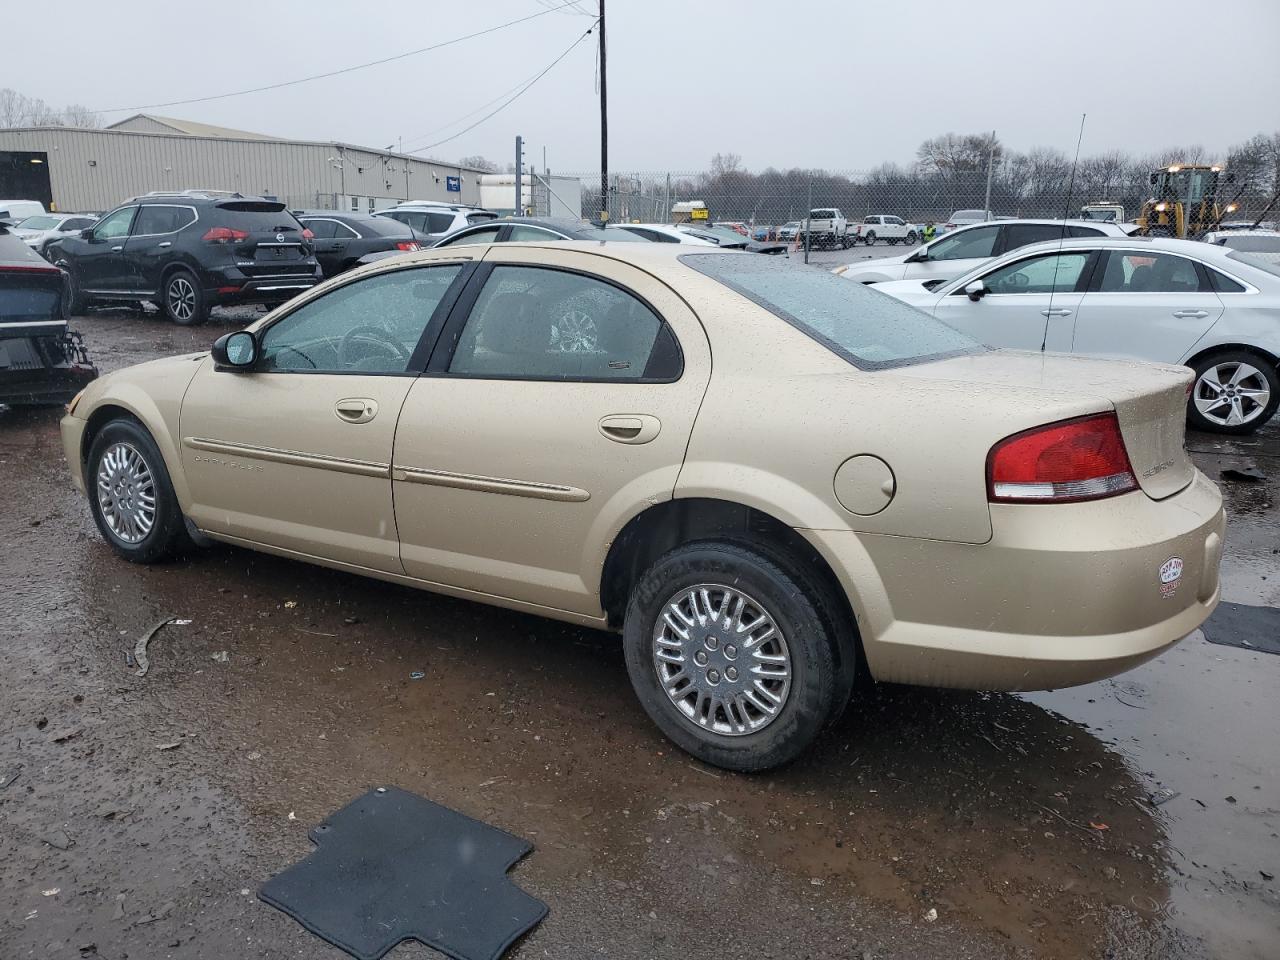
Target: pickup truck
x=884, y=227
x=828, y=227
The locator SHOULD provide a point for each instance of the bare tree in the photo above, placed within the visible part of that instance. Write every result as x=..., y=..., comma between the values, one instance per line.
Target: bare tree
x=478, y=162
x=78, y=115
x=725, y=163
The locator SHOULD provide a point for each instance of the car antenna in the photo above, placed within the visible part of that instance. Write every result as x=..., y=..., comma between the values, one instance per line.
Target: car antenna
x=1062, y=234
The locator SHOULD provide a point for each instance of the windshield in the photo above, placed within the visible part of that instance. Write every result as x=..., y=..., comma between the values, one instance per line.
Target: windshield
x=721, y=235
x=39, y=223
x=869, y=329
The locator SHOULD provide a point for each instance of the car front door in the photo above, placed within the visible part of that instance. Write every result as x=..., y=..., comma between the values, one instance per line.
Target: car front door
x=956, y=253
x=150, y=245
x=559, y=403
x=100, y=263
x=295, y=454
x=1028, y=303
x=1146, y=304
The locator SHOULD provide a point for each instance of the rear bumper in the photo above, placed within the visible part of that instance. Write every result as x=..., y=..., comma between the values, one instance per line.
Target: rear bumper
x=42, y=370
x=230, y=285
x=1061, y=595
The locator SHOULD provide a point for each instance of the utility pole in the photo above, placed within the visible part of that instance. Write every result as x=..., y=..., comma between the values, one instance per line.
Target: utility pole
x=991, y=156
x=604, y=126
x=519, y=167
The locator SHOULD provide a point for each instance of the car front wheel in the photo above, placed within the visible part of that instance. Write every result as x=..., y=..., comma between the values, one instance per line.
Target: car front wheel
x=184, y=301
x=131, y=496
x=1234, y=392
x=731, y=657
x=870, y=239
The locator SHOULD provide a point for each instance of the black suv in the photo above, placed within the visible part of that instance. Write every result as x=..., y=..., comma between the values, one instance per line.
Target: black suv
x=40, y=361
x=186, y=252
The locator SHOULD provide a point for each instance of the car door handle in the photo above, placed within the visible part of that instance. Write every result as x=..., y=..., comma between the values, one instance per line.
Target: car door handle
x=117, y=249
x=166, y=243
x=1190, y=314
x=1056, y=312
x=630, y=427
x=356, y=409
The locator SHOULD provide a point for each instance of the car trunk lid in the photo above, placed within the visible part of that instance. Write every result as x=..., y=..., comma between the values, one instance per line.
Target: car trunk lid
x=266, y=238
x=1150, y=401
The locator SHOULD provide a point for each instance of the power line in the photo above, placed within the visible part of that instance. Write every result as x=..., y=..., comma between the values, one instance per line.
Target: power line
x=334, y=73
x=466, y=116
x=507, y=103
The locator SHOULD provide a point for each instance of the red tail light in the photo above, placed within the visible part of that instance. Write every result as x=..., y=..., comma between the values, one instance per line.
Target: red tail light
x=1081, y=459
x=949, y=226
x=224, y=235
x=407, y=245
x=307, y=234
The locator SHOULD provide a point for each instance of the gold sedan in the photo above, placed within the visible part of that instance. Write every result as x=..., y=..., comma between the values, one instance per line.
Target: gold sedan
x=768, y=479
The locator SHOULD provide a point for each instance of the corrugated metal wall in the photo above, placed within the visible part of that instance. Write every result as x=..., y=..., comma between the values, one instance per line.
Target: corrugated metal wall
x=97, y=169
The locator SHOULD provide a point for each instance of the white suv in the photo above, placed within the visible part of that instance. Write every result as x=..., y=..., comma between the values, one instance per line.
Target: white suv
x=436, y=219
x=961, y=250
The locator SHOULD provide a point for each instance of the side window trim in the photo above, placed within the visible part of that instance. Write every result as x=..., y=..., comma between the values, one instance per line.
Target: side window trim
x=446, y=341
x=430, y=333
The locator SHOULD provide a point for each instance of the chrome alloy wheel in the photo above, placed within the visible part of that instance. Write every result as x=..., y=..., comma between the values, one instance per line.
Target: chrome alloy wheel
x=721, y=659
x=182, y=298
x=126, y=492
x=1232, y=393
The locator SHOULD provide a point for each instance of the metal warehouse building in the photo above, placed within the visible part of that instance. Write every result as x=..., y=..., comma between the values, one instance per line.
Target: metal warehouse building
x=76, y=169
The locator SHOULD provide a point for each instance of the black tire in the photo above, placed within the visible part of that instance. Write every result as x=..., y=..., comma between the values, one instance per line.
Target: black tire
x=818, y=686
x=76, y=301
x=167, y=535
x=870, y=239
x=1231, y=359
x=912, y=239
x=184, y=302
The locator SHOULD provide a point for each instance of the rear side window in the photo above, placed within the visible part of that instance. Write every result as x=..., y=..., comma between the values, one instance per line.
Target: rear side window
x=869, y=329
x=161, y=219
x=538, y=324
x=1020, y=234
x=1149, y=273
x=1222, y=283
x=481, y=235
x=1084, y=232
x=322, y=229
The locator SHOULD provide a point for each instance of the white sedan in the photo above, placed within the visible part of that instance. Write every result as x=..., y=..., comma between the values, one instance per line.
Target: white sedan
x=1211, y=308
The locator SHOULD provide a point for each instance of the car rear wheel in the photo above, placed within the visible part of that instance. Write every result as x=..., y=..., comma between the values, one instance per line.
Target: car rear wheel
x=912, y=238
x=732, y=656
x=131, y=496
x=1234, y=392
x=184, y=301
x=870, y=239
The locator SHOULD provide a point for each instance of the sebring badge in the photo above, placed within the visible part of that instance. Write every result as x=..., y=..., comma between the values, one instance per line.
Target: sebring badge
x=1170, y=576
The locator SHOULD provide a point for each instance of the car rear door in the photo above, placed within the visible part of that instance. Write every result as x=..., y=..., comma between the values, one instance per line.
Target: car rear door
x=1147, y=304
x=295, y=454
x=558, y=404
x=1029, y=302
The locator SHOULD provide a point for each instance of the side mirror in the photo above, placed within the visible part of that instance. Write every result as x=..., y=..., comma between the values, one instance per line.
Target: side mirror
x=976, y=290
x=235, y=351
x=920, y=256
x=88, y=234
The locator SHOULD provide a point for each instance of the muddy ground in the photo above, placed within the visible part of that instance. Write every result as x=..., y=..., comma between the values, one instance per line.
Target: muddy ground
x=116, y=843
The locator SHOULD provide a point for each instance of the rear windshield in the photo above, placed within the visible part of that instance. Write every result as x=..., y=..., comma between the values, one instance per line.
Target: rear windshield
x=868, y=328
x=480, y=216
x=27, y=296
x=384, y=226
x=969, y=215
x=1251, y=244
x=39, y=223
x=256, y=216
x=1270, y=262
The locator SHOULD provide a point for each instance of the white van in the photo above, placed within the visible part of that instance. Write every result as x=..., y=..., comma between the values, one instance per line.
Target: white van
x=16, y=210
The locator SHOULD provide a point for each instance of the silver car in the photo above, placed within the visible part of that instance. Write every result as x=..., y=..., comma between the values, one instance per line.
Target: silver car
x=959, y=251
x=38, y=231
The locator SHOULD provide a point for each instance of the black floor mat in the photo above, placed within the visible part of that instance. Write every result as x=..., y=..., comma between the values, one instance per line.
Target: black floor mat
x=1244, y=626
x=392, y=866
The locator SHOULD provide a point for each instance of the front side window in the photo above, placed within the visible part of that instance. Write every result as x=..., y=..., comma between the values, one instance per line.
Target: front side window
x=1148, y=273
x=369, y=326
x=977, y=243
x=1050, y=273
x=480, y=235
x=869, y=329
x=115, y=225
x=539, y=324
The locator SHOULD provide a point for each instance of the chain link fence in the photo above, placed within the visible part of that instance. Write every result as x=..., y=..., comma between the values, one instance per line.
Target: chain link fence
x=770, y=200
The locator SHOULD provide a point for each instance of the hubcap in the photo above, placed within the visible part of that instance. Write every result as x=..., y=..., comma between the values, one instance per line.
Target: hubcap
x=182, y=298
x=1232, y=393
x=126, y=492
x=722, y=660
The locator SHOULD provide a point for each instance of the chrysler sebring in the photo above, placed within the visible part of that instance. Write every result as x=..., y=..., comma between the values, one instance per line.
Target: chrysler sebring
x=769, y=480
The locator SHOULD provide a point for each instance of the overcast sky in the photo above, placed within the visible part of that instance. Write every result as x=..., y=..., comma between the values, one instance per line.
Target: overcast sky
x=838, y=84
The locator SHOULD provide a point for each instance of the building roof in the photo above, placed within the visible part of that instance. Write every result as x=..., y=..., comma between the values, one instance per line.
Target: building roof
x=147, y=123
